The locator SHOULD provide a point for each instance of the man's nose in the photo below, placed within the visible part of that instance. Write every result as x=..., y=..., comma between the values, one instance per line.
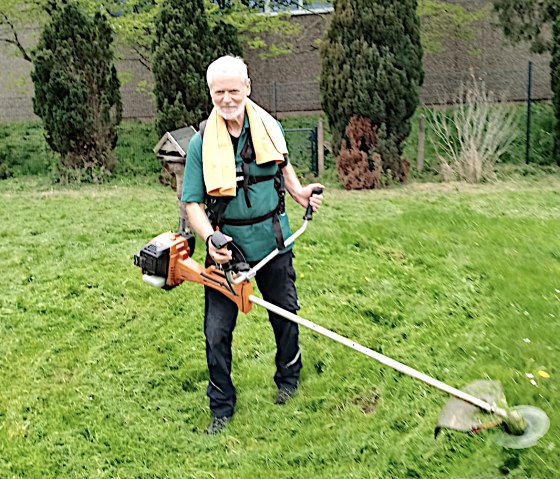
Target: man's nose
x=227, y=96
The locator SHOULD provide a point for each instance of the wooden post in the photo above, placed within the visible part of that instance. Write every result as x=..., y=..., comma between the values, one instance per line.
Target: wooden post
x=320, y=148
x=178, y=169
x=421, y=137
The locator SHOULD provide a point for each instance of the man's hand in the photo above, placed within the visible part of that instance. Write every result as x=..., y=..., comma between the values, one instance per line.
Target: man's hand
x=306, y=196
x=219, y=255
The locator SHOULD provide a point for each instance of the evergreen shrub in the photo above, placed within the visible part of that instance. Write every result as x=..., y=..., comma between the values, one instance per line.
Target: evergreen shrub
x=372, y=68
x=77, y=93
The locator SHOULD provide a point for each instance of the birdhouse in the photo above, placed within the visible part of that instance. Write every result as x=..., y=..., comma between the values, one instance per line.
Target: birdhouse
x=171, y=150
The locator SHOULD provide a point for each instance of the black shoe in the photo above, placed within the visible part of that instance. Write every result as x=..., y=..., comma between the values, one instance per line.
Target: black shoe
x=217, y=424
x=284, y=394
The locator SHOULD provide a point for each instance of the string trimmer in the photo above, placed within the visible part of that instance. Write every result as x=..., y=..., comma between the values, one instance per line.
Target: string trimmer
x=165, y=263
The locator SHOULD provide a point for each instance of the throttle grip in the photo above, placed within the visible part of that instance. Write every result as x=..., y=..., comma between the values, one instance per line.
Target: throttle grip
x=309, y=211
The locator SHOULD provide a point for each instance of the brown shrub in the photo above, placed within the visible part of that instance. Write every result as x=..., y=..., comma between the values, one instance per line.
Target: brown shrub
x=357, y=165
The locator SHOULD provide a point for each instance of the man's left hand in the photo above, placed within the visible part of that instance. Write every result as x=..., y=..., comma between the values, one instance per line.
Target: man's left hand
x=307, y=197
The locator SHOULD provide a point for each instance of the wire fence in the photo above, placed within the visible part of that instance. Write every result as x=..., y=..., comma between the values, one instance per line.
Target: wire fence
x=440, y=86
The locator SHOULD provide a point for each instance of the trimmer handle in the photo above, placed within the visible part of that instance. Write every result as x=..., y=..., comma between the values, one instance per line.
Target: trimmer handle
x=309, y=211
x=218, y=239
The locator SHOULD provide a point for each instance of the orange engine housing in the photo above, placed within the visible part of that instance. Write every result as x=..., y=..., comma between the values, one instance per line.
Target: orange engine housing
x=168, y=256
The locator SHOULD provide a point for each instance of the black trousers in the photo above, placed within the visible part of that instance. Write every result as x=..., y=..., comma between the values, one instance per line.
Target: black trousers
x=276, y=282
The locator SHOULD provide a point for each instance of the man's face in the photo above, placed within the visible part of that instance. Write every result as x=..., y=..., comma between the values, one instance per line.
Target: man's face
x=228, y=96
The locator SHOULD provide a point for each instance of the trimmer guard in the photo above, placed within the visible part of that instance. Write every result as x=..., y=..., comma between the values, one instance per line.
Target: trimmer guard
x=462, y=416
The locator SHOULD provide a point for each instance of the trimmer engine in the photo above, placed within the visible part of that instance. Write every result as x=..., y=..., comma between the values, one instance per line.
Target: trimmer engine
x=165, y=263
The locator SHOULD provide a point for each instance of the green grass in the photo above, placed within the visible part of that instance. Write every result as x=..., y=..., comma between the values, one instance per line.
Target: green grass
x=104, y=376
x=24, y=150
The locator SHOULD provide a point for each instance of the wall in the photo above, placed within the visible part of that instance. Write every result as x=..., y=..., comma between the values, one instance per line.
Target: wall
x=289, y=83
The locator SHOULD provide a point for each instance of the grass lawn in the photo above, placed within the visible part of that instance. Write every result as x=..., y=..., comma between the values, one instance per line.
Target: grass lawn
x=104, y=376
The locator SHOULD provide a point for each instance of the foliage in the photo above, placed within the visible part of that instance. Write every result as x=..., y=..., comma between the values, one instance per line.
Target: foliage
x=270, y=35
x=474, y=135
x=180, y=56
x=372, y=67
x=105, y=376
x=77, y=93
x=442, y=21
x=25, y=151
x=133, y=22
x=527, y=20
x=358, y=165
x=555, y=85
x=537, y=23
x=183, y=48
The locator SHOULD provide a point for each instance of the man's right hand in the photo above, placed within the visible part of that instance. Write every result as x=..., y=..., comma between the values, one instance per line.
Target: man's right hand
x=219, y=255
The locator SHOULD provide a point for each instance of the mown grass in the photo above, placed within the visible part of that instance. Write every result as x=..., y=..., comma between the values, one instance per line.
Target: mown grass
x=104, y=376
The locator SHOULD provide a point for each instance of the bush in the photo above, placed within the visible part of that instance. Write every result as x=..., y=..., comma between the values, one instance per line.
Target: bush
x=24, y=150
x=77, y=93
x=358, y=165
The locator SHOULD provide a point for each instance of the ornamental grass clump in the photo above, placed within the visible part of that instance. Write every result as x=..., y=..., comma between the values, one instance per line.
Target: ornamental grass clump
x=472, y=135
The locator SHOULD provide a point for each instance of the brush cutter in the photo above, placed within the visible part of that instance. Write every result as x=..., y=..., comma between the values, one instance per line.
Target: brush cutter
x=165, y=263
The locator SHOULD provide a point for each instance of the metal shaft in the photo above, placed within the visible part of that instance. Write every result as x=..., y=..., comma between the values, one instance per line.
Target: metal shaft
x=403, y=368
x=253, y=271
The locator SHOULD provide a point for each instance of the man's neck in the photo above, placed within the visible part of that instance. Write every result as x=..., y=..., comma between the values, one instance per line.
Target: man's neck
x=236, y=125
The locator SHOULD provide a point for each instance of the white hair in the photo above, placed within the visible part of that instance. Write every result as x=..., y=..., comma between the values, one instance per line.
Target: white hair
x=227, y=65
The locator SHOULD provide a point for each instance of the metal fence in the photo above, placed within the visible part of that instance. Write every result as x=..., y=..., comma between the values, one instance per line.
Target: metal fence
x=303, y=148
x=439, y=87
x=293, y=97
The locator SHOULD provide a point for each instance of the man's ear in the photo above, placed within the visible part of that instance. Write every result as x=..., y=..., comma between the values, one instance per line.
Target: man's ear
x=248, y=86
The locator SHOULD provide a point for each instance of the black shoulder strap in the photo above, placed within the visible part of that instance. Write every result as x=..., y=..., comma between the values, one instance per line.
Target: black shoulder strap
x=202, y=127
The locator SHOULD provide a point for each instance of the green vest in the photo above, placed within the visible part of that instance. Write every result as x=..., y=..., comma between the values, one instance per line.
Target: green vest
x=255, y=240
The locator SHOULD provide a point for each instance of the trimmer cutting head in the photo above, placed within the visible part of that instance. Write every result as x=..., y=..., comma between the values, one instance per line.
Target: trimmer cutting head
x=537, y=424
x=521, y=427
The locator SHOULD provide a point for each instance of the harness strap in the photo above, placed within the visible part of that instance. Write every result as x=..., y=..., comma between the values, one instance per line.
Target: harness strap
x=217, y=207
x=276, y=227
x=248, y=221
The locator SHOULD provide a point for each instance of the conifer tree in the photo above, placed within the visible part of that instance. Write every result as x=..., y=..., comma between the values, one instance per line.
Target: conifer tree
x=372, y=68
x=183, y=48
x=77, y=93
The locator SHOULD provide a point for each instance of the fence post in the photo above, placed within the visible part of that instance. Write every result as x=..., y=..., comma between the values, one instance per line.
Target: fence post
x=421, y=137
x=314, y=150
x=320, y=148
x=528, y=126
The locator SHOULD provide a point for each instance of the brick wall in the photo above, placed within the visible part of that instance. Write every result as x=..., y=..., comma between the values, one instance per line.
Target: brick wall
x=289, y=83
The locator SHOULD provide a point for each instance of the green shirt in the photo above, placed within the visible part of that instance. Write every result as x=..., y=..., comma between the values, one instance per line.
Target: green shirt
x=256, y=240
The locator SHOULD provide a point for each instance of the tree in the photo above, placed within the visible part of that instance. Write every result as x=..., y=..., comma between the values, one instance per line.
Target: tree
x=179, y=59
x=183, y=48
x=442, y=21
x=537, y=23
x=372, y=68
x=77, y=93
x=528, y=20
x=133, y=22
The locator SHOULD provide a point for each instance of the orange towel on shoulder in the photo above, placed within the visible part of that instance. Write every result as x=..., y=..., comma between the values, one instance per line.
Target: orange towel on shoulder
x=218, y=157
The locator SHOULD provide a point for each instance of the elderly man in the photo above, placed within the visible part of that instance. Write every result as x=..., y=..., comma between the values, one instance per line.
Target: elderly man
x=236, y=174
